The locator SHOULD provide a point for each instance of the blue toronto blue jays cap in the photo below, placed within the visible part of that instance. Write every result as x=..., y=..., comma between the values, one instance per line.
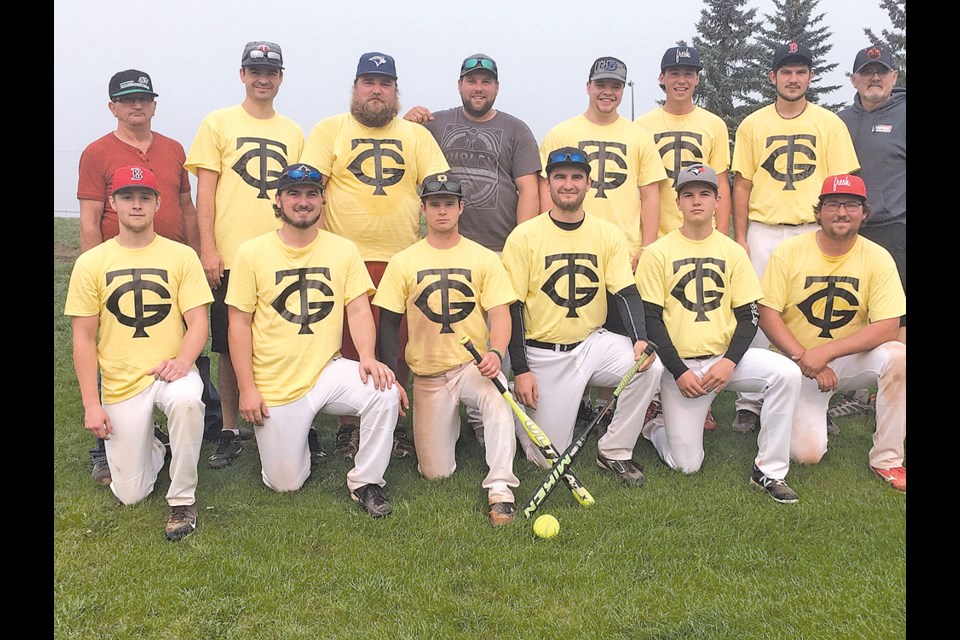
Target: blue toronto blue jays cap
x=697, y=173
x=376, y=62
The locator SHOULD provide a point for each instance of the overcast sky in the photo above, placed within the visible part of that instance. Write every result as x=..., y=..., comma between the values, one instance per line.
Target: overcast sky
x=192, y=48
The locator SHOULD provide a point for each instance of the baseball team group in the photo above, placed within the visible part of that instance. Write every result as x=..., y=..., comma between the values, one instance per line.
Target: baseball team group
x=334, y=271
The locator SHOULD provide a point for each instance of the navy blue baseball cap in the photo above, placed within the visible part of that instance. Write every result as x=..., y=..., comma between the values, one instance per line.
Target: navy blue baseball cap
x=681, y=57
x=792, y=52
x=440, y=184
x=375, y=62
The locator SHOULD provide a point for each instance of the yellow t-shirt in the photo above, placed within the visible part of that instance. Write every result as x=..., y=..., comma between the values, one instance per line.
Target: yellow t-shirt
x=297, y=297
x=698, y=283
x=622, y=158
x=562, y=276
x=248, y=154
x=788, y=160
x=373, y=175
x=140, y=296
x=446, y=294
x=824, y=298
x=698, y=137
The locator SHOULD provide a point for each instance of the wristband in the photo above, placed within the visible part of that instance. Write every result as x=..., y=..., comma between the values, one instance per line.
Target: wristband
x=499, y=355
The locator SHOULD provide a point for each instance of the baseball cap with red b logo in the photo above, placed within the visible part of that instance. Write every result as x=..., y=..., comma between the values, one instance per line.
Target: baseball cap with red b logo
x=134, y=176
x=844, y=184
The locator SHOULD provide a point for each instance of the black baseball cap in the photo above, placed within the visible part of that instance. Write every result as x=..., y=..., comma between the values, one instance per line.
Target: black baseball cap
x=129, y=82
x=439, y=184
x=681, y=57
x=567, y=156
x=875, y=53
x=299, y=174
x=792, y=52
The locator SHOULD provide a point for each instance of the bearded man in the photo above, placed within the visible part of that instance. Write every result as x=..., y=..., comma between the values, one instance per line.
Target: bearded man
x=372, y=163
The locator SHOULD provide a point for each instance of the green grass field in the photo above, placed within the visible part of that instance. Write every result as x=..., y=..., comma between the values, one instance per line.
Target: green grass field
x=702, y=556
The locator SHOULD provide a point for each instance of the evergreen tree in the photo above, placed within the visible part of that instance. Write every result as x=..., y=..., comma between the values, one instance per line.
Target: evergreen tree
x=794, y=21
x=895, y=39
x=729, y=75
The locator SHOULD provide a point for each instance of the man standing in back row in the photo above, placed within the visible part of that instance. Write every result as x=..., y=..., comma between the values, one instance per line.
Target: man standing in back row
x=237, y=156
x=495, y=159
x=372, y=163
x=134, y=142
x=782, y=154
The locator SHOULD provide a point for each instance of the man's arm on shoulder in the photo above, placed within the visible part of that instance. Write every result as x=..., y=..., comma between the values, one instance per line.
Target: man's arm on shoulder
x=546, y=202
x=528, y=190
x=90, y=213
x=418, y=114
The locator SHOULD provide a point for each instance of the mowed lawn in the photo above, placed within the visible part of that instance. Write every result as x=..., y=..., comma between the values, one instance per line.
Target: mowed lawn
x=700, y=556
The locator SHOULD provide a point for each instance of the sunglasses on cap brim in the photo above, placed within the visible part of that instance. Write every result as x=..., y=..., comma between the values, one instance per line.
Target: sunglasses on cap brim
x=479, y=63
x=578, y=157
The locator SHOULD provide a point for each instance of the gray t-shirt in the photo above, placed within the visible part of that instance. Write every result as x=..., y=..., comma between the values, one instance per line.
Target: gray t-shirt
x=487, y=157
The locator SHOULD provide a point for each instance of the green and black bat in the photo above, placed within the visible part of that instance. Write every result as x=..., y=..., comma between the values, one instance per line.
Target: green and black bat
x=561, y=467
x=536, y=434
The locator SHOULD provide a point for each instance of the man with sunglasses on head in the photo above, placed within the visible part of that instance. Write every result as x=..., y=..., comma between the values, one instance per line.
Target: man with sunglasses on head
x=133, y=142
x=237, y=155
x=289, y=293
x=561, y=264
x=494, y=157
x=372, y=163
x=832, y=303
x=782, y=152
x=449, y=286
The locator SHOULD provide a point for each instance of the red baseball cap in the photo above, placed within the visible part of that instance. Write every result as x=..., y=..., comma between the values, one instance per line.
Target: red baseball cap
x=134, y=176
x=844, y=184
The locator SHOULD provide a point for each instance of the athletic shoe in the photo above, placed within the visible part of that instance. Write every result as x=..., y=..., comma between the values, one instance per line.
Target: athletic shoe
x=247, y=434
x=162, y=436
x=629, y=472
x=654, y=410
x=347, y=441
x=897, y=477
x=709, y=423
x=402, y=447
x=317, y=455
x=584, y=414
x=777, y=489
x=849, y=406
x=502, y=513
x=832, y=428
x=182, y=521
x=604, y=422
x=745, y=421
x=373, y=500
x=228, y=448
x=101, y=472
